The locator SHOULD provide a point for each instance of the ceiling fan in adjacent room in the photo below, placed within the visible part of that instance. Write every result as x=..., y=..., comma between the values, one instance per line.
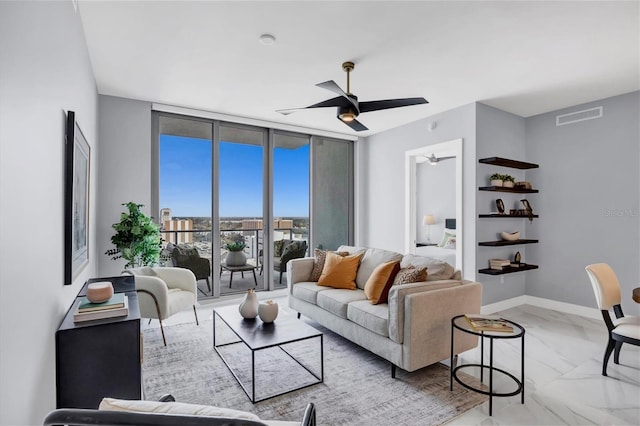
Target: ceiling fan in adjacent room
x=433, y=160
x=347, y=103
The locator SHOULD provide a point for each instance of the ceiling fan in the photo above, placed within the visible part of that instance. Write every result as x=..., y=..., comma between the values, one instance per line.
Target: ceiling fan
x=433, y=160
x=349, y=107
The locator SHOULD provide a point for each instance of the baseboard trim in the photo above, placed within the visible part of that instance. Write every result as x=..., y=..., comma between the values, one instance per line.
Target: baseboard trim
x=554, y=305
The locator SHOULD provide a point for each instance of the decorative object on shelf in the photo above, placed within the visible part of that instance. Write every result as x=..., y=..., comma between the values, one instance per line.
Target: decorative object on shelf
x=500, y=206
x=508, y=181
x=517, y=258
x=429, y=220
x=76, y=200
x=528, y=209
x=510, y=236
x=249, y=306
x=236, y=256
x=99, y=292
x=496, y=179
x=137, y=238
x=268, y=311
x=523, y=185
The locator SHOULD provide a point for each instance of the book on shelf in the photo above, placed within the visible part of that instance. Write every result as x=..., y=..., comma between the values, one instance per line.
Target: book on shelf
x=116, y=301
x=103, y=313
x=498, y=263
x=488, y=323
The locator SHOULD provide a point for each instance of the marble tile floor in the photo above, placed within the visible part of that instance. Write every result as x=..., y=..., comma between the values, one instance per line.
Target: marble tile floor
x=563, y=380
x=563, y=362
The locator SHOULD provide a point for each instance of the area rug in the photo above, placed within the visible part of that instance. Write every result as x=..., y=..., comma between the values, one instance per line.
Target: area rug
x=357, y=389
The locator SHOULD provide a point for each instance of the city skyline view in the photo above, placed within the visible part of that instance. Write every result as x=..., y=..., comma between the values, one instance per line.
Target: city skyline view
x=186, y=175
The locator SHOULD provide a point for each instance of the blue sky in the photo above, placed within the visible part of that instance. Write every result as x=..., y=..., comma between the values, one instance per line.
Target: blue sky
x=185, y=178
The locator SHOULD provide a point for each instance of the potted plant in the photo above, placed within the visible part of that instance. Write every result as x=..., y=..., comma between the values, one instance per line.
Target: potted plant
x=236, y=256
x=508, y=181
x=137, y=238
x=496, y=179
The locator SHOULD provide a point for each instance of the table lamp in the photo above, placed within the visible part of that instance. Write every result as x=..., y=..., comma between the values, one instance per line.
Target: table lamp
x=429, y=220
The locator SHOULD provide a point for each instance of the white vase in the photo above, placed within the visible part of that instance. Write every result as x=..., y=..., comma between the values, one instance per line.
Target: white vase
x=249, y=305
x=268, y=311
x=507, y=184
x=236, y=258
x=496, y=182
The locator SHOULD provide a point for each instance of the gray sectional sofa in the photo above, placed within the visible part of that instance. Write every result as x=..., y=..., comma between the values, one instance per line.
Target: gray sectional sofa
x=412, y=330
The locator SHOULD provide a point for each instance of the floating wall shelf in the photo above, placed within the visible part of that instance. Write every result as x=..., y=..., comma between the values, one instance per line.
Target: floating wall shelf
x=505, y=162
x=507, y=270
x=506, y=243
x=505, y=189
x=506, y=216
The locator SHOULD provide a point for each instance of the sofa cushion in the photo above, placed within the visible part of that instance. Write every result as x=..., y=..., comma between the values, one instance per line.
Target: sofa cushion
x=372, y=317
x=410, y=274
x=437, y=269
x=372, y=258
x=179, y=408
x=318, y=263
x=337, y=300
x=340, y=271
x=377, y=287
x=308, y=291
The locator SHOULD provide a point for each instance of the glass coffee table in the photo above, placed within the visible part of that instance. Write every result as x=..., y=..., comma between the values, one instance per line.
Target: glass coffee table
x=257, y=336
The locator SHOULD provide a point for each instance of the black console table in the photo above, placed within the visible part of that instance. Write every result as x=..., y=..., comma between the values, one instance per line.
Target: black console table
x=100, y=358
x=460, y=323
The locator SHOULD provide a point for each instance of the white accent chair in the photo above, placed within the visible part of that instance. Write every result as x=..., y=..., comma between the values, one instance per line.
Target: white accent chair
x=621, y=329
x=164, y=291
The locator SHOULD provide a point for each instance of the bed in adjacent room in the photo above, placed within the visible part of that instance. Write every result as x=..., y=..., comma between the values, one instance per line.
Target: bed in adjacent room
x=445, y=250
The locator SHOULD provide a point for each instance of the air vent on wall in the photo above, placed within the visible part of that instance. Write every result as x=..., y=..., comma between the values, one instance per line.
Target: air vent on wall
x=574, y=117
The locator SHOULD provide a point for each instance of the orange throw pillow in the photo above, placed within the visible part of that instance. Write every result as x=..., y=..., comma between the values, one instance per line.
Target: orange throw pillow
x=377, y=286
x=340, y=271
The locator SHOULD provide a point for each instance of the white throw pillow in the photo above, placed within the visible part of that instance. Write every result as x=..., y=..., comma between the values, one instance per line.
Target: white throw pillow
x=446, y=236
x=179, y=408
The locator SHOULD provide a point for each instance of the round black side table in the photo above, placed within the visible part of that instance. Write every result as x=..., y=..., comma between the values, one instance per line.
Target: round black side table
x=460, y=323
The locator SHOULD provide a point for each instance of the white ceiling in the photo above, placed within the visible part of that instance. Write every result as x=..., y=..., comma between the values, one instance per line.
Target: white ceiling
x=523, y=57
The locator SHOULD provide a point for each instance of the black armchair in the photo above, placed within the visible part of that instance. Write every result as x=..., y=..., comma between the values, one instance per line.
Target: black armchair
x=293, y=250
x=187, y=256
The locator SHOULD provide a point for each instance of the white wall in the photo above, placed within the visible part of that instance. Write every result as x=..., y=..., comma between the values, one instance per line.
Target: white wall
x=125, y=168
x=44, y=72
x=589, y=200
x=500, y=134
x=380, y=179
x=436, y=195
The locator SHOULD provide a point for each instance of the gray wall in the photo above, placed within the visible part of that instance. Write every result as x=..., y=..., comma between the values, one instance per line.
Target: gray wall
x=125, y=168
x=499, y=134
x=589, y=200
x=380, y=179
x=44, y=72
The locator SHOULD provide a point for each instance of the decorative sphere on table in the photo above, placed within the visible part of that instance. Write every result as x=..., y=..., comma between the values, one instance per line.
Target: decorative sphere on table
x=268, y=311
x=99, y=292
x=249, y=305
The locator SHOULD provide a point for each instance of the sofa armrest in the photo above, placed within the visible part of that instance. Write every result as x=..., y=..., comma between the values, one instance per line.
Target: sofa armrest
x=397, y=296
x=428, y=319
x=299, y=270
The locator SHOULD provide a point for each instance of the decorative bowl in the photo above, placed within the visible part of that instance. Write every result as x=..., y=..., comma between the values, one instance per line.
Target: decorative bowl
x=99, y=292
x=510, y=236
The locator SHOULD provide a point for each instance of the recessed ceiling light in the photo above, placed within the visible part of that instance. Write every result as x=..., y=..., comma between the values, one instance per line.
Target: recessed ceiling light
x=267, y=39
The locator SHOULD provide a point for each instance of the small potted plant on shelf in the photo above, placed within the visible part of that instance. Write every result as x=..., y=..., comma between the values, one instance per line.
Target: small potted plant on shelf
x=508, y=181
x=496, y=179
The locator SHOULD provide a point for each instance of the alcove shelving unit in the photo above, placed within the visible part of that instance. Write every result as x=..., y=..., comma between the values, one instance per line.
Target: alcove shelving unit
x=515, y=164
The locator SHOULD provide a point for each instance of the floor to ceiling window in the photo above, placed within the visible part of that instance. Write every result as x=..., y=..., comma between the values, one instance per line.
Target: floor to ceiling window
x=236, y=203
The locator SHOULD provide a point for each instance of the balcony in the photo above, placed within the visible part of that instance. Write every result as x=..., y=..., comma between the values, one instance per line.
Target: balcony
x=201, y=239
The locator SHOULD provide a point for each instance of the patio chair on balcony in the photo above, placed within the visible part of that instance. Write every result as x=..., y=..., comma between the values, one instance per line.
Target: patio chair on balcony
x=187, y=256
x=284, y=251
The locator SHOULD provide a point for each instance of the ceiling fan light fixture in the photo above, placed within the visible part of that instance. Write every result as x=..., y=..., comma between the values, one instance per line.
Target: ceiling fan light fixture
x=347, y=116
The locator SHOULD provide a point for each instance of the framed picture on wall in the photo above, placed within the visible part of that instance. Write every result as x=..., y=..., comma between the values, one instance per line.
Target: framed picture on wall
x=76, y=214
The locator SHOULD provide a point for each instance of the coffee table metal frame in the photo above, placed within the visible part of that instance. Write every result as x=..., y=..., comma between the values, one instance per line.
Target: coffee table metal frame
x=275, y=343
x=460, y=323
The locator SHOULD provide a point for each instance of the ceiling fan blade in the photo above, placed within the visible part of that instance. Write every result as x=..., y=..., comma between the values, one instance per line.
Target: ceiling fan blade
x=390, y=103
x=338, y=101
x=355, y=125
x=333, y=87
